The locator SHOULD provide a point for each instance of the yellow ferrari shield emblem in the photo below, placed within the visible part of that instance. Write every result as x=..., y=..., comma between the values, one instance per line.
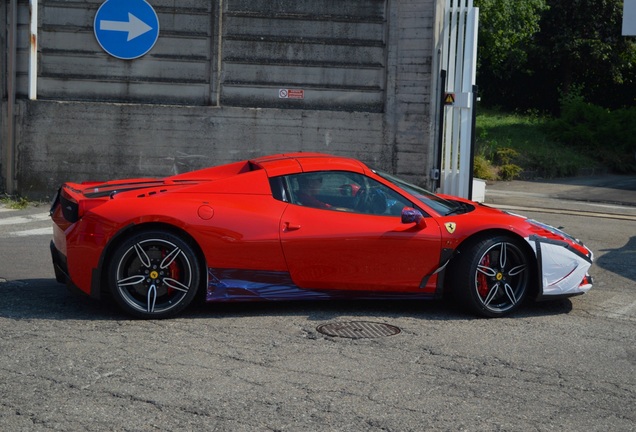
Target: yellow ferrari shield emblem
x=450, y=227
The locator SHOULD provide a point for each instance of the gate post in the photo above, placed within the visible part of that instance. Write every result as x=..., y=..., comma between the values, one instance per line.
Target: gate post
x=459, y=58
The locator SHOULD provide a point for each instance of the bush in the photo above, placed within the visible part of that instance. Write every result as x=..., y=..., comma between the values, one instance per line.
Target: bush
x=521, y=141
x=607, y=136
x=501, y=168
x=14, y=203
x=509, y=171
x=483, y=169
x=556, y=163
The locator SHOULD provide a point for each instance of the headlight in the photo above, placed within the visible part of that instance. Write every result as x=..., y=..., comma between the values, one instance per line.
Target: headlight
x=554, y=231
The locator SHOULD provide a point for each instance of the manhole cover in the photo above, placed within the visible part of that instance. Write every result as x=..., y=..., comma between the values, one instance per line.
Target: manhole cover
x=358, y=329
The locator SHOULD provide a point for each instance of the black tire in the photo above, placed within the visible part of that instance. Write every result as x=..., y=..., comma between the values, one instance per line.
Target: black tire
x=154, y=274
x=492, y=277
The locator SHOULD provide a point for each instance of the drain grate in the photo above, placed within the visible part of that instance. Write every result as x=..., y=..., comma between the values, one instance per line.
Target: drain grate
x=358, y=329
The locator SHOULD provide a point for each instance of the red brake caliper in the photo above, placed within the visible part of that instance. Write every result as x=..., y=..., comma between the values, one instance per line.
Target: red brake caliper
x=172, y=271
x=482, y=279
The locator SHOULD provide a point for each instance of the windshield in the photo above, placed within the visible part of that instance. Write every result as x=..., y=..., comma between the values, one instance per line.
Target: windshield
x=439, y=204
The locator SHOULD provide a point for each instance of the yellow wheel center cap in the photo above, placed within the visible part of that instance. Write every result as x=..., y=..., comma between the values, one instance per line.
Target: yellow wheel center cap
x=499, y=276
x=154, y=274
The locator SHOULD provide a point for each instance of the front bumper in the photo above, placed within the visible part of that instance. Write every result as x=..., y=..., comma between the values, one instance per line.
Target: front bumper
x=563, y=270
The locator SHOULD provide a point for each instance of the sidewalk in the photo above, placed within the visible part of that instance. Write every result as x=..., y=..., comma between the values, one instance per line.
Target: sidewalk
x=608, y=193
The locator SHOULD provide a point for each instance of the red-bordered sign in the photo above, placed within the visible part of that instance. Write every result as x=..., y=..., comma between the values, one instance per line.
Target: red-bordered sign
x=291, y=94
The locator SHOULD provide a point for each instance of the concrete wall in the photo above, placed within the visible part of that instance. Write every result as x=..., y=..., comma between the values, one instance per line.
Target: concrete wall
x=80, y=141
x=207, y=93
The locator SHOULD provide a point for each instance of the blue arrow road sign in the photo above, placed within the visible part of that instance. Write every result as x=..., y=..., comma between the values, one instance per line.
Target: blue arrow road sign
x=126, y=29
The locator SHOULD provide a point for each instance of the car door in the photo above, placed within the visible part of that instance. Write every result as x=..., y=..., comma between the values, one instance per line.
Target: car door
x=332, y=248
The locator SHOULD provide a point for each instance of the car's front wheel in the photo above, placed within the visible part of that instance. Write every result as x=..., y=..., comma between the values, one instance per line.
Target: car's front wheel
x=492, y=277
x=154, y=274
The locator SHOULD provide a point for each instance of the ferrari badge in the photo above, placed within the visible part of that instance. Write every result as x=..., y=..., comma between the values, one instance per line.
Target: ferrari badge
x=450, y=227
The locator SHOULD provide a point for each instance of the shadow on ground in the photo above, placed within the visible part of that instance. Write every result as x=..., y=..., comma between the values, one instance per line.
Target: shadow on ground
x=46, y=299
x=620, y=261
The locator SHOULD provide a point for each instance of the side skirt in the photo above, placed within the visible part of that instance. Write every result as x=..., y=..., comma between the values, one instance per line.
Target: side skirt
x=228, y=285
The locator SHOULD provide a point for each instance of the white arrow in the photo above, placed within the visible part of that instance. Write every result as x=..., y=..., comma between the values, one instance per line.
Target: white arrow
x=134, y=26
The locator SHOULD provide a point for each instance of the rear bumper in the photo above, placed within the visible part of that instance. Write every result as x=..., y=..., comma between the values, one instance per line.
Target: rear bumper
x=61, y=269
x=59, y=265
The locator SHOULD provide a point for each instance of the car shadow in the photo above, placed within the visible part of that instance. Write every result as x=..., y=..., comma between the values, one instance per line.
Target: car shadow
x=319, y=311
x=620, y=261
x=48, y=300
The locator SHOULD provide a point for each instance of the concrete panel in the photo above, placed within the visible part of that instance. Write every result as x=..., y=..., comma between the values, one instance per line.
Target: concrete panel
x=83, y=141
x=314, y=76
x=293, y=52
x=61, y=41
x=78, y=89
x=104, y=67
x=334, y=8
x=309, y=44
x=82, y=16
x=363, y=32
x=314, y=98
x=70, y=57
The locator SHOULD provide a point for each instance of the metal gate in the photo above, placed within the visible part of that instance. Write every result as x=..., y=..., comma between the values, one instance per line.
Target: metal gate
x=458, y=70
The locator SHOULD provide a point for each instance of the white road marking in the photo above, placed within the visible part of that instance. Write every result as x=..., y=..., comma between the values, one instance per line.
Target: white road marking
x=33, y=232
x=619, y=306
x=9, y=224
x=564, y=212
x=24, y=219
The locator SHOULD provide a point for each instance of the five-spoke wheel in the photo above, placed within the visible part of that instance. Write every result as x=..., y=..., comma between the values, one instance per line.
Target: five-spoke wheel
x=154, y=274
x=492, y=277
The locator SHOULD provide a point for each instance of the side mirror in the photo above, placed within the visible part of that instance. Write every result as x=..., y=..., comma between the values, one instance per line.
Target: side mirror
x=413, y=216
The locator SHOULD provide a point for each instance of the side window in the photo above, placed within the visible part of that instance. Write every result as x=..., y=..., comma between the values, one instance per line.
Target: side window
x=279, y=188
x=343, y=191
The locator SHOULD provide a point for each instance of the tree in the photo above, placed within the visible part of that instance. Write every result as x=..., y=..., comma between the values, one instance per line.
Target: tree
x=506, y=31
x=506, y=28
x=532, y=52
x=580, y=49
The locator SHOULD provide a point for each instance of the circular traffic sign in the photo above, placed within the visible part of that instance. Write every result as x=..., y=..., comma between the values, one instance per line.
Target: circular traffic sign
x=126, y=29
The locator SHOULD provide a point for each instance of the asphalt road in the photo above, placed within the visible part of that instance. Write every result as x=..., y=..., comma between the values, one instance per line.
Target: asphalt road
x=73, y=364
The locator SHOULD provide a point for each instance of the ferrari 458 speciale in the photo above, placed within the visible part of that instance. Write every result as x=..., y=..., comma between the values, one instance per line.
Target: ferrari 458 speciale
x=302, y=226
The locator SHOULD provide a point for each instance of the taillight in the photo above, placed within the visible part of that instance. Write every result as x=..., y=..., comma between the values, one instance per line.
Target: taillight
x=70, y=209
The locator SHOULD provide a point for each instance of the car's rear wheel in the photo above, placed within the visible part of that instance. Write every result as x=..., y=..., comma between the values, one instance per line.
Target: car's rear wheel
x=154, y=274
x=492, y=277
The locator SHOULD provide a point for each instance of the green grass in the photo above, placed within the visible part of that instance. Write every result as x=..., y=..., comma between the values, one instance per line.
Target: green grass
x=511, y=146
x=15, y=203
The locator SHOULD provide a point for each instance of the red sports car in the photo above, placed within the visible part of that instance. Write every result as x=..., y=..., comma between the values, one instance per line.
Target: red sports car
x=302, y=226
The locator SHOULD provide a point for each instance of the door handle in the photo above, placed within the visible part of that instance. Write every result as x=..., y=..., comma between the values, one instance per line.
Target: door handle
x=288, y=226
